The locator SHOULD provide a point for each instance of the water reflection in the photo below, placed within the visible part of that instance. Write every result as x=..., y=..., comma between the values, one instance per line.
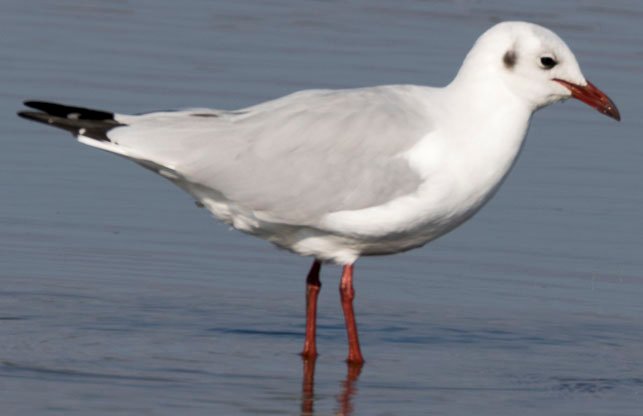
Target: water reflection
x=344, y=399
x=349, y=389
x=308, y=387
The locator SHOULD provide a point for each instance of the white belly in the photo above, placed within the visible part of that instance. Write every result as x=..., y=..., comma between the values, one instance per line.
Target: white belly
x=411, y=221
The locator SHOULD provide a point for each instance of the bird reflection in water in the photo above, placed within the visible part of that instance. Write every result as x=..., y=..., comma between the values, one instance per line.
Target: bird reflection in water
x=344, y=399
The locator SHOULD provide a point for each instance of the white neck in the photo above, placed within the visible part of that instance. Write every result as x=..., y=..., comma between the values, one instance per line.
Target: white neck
x=487, y=128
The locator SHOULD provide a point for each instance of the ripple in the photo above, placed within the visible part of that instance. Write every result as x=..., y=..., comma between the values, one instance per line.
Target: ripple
x=250, y=331
x=595, y=385
x=32, y=371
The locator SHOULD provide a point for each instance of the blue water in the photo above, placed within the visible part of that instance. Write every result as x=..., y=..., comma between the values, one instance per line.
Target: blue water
x=119, y=296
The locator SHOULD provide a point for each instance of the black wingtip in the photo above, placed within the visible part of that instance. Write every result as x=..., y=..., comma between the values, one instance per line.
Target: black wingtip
x=25, y=114
x=90, y=123
x=33, y=103
x=33, y=115
x=66, y=111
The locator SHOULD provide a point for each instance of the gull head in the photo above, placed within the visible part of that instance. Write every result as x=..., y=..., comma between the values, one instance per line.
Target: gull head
x=533, y=64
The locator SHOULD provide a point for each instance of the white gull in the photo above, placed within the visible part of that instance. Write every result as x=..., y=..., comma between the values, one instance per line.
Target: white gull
x=339, y=174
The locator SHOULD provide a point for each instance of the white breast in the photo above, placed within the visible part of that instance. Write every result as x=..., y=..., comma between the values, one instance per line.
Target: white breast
x=462, y=168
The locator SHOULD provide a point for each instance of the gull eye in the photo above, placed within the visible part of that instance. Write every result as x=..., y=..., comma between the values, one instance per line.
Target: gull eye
x=547, y=62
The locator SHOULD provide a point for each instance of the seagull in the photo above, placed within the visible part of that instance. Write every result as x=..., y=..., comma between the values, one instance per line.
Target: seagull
x=340, y=174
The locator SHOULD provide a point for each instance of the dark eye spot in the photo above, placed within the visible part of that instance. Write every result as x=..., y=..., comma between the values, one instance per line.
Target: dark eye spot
x=548, y=62
x=510, y=59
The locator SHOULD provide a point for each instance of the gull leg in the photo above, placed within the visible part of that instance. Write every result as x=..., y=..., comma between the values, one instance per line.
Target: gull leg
x=348, y=294
x=313, y=286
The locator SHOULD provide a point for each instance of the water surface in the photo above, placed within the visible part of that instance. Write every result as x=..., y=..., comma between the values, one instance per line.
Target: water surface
x=117, y=295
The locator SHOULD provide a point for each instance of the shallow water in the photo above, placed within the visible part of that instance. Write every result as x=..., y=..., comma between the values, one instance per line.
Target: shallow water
x=117, y=295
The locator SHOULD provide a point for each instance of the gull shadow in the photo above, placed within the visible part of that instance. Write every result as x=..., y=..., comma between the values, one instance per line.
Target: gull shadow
x=344, y=399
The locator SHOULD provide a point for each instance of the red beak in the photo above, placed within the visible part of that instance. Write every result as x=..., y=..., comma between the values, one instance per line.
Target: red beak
x=594, y=97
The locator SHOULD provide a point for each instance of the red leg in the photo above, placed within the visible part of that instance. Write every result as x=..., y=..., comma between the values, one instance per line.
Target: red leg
x=313, y=286
x=348, y=294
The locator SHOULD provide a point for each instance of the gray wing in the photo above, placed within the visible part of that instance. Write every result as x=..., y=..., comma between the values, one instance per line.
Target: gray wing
x=296, y=158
